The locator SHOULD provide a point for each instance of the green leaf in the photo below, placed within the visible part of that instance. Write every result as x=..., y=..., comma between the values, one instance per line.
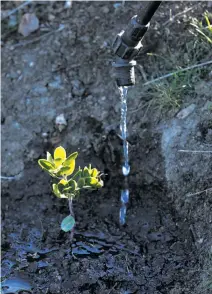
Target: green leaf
x=99, y=184
x=50, y=158
x=56, y=190
x=91, y=181
x=86, y=173
x=70, y=158
x=68, y=223
x=45, y=164
x=72, y=185
x=81, y=183
x=65, y=170
x=77, y=175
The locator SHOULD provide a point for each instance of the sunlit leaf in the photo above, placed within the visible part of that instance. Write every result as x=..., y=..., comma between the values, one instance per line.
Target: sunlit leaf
x=56, y=190
x=45, y=164
x=99, y=184
x=63, y=182
x=70, y=158
x=58, y=162
x=91, y=181
x=60, y=153
x=64, y=170
x=70, y=168
x=68, y=223
x=94, y=172
x=208, y=23
x=50, y=158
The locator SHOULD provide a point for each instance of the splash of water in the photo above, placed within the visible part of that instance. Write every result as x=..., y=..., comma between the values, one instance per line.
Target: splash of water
x=125, y=166
x=123, y=128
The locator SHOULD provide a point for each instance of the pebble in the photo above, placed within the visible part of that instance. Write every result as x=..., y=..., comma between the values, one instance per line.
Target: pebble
x=186, y=111
x=29, y=23
x=78, y=88
x=56, y=84
x=61, y=122
x=105, y=9
x=39, y=89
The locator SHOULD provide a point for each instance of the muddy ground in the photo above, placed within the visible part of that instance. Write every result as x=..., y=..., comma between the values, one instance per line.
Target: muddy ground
x=165, y=245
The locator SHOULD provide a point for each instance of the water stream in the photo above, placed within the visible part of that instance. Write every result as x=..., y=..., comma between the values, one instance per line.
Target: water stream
x=125, y=166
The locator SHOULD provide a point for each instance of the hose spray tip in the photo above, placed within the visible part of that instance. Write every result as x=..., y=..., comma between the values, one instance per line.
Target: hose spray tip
x=124, y=72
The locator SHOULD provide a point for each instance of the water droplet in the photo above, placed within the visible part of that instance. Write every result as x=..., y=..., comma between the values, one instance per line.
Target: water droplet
x=122, y=215
x=125, y=196
x=125, y=170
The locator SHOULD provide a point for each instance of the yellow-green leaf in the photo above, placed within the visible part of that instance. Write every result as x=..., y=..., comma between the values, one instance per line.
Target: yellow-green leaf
x=70, y=158
x=63, y=182
x=45, y=164
x=60, y=153
x=94, y=172
x=99, y=184
x=67, y=170
x=72, y=185
x=56, y=190
x=91, y=181
x=50, y=158
x=58, y=162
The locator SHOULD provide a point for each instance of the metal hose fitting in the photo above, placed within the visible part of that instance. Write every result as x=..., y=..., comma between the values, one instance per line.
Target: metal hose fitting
x=124, y=72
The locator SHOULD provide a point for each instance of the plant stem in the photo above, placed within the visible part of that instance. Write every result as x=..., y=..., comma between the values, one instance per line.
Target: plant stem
x=72, y=214
x=70, y=207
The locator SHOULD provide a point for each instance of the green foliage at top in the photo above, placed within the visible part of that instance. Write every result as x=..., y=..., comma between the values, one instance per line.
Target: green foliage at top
x=205, y=32
x=62, y=167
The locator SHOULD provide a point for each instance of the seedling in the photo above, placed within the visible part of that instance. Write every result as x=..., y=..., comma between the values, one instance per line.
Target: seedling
x=61, y=168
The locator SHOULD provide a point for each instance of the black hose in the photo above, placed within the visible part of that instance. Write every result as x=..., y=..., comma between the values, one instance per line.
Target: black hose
x=145, y=14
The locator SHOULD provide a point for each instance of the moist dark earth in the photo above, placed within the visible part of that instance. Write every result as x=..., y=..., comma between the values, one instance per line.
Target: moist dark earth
x=65, y=68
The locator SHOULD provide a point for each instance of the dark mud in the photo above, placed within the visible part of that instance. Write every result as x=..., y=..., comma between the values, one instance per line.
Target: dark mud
x=153, y=253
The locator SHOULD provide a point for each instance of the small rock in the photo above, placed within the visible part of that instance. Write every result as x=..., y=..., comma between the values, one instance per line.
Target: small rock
x=39, y=89
x=186, y=111
x=78, y=88
x=29, y=23
x=51, y=17
x=105, y=9
x=56, y=84
x=61, y=122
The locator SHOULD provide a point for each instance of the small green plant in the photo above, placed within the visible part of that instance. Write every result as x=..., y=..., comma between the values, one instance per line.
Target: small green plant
x=204, y=31
x=68, y=183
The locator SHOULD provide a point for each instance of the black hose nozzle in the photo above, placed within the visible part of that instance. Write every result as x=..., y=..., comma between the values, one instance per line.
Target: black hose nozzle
x=127, y=44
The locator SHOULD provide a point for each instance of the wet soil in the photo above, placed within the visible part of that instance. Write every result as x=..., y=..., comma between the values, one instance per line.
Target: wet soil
x=162, y=247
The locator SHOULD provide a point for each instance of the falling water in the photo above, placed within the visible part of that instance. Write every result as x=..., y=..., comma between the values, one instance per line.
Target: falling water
x=123, y=128
x=125, y=166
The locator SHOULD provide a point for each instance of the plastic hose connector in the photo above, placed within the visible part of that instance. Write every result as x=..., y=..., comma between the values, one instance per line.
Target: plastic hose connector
x=124, y=73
